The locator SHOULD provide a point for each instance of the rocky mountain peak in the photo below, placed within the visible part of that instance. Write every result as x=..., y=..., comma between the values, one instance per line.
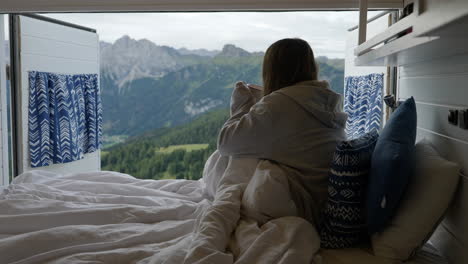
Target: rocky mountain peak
x=124, y=41
x=199, y=52
x=230, y=50
x=128, y=59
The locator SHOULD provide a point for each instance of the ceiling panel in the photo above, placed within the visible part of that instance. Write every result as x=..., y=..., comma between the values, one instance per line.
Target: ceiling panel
x=7, y=6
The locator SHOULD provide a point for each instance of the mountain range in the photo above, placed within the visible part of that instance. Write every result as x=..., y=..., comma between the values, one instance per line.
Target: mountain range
x=146, y=86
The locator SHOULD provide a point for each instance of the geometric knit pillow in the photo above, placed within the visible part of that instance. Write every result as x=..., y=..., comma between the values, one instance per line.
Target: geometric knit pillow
x=344, y=220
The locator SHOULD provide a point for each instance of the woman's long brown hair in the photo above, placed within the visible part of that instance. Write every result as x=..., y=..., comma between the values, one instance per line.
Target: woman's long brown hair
x=287, y=62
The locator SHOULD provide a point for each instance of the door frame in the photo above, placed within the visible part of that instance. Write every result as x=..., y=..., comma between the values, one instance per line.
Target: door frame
x=16, y=84
x=4, y=147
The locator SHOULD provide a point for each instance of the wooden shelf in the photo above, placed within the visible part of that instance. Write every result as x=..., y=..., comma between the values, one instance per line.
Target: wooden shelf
x=391, y=32
x=395, y=53
x=410, y=49
x=444, y=19
x=456, y=29
x=440, y=31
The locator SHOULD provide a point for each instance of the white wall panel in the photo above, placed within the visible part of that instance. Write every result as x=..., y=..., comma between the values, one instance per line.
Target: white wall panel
x=53, y=64
x=442, y=89
x=448, y=66
x=443, y=81
x=437, y=86
x=31, y=45
x=55, y=48
x=185, y=5
x=437, y=121
x=57, y=32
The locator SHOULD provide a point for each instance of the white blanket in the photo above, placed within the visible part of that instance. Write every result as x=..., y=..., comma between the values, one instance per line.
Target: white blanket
x=109, y=217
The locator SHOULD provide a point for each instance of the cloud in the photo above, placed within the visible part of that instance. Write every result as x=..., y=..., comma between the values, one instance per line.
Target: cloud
x=253, y=31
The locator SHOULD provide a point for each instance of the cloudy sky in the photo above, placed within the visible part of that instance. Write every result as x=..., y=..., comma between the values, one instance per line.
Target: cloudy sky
x=253, y=31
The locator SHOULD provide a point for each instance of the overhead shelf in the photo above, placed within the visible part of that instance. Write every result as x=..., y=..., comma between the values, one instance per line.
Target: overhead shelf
x=391, y=32
x=439, y=31
x=409, y=49
x=444, y=19
x=396, y=53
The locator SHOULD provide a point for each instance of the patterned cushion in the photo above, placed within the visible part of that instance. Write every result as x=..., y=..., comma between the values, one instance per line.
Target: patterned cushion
x=344, y=219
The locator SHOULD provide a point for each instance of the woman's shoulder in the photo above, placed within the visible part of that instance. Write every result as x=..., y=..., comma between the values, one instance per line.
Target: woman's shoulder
x=273, y=100
x=307, y=88
x=274, y=104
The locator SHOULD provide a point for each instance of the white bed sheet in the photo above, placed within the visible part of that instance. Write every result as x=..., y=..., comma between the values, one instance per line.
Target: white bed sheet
x=106, y=215
x=109, y=217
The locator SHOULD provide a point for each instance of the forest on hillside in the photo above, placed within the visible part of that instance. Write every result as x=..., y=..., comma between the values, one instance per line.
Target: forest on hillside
x=168, y=153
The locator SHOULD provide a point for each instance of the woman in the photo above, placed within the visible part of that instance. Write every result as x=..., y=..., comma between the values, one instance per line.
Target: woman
x=297, y=123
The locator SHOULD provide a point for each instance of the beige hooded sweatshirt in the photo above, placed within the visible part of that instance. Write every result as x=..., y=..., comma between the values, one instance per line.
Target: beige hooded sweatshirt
x=297, y=127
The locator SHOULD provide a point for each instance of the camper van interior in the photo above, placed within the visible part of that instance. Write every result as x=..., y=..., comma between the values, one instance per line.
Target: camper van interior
x=396, y=184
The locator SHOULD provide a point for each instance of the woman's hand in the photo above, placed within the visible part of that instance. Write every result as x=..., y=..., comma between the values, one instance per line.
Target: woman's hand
x=256, y=87
x=256, y=91
x=244, y=97
x=244, y=133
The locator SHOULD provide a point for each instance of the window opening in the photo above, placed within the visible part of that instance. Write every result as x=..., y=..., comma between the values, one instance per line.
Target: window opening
x=166, y=78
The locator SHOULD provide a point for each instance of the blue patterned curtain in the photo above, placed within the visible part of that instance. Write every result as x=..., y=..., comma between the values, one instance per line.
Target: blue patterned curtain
x=65, y=116
x=363, y=104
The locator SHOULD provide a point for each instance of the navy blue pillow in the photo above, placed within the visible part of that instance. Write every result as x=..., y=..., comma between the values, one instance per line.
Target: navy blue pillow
x=391, y=167
x=344, y=221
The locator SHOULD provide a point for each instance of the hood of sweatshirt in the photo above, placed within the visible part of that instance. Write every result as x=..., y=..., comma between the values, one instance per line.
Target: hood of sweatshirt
x=318, y=99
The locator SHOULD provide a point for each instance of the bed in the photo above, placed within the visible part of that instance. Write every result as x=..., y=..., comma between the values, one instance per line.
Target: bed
x=110, y=217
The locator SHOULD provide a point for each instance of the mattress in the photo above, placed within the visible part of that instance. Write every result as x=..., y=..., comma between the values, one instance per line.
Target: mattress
x=426, y=255
x=116, y=218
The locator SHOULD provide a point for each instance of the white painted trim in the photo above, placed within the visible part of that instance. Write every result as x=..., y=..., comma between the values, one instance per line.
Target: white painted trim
x=4, y=152
x=186, y=5
x=362, y=21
